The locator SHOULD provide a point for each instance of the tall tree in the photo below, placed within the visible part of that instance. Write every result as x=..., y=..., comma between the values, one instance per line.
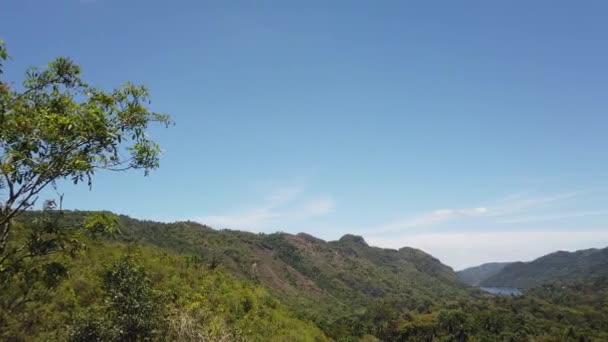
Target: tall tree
x=56, y=127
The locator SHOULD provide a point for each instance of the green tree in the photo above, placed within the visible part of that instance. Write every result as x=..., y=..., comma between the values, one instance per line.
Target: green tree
x=133, y=310
x=56, y=127
x=455, y=324
x=133, y=306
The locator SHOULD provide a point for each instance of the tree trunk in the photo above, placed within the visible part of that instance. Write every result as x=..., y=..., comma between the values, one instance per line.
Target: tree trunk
x=4, y=231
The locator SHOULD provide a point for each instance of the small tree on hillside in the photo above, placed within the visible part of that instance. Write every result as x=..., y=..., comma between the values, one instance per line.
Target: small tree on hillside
x=132, y=310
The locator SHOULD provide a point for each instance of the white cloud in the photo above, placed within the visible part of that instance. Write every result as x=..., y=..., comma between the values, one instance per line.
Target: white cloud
x=282, y=206
x=521, y=202
x=429, y=219
x=251, y=218
x=502, y=208
x=554, y=217
x=465, y=249
x=320, y=206
x=284, y=195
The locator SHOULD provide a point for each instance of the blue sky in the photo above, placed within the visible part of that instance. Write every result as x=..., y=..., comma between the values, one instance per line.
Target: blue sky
x=475, y=130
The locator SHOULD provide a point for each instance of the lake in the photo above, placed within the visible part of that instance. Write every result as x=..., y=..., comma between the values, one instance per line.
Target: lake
x=507, y=291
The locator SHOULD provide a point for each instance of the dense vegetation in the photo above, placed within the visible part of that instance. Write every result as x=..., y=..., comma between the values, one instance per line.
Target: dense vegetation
x=164, y=296
x=232, y=285
x=558, y=266
x=320, y=276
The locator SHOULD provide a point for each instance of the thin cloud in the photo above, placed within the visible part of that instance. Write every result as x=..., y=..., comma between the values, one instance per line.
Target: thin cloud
x=251, y=218
x=282, y=206
x=430, y=219
x=320, y=206
x=505, y=207
x=521, y=202
x=284, y=195
x=523, y=219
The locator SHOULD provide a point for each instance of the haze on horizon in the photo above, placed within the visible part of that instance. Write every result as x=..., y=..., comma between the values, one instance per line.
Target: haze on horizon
x=474, y=131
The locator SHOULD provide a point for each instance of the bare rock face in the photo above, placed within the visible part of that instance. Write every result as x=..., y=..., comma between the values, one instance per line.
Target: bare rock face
x=353, y=239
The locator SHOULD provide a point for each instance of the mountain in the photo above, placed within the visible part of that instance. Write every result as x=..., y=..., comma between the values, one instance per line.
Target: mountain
x=475, y=275
x=202, y=303
x=558, y=266
x=323, y=282
x=231, y=285
x=321, y=279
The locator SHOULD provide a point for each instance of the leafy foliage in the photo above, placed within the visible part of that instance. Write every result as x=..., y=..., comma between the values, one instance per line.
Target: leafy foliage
x=162, y=295
x=132, y=310
x=57, y=127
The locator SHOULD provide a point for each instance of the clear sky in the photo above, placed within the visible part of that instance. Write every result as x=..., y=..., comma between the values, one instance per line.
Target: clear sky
x=474, y=130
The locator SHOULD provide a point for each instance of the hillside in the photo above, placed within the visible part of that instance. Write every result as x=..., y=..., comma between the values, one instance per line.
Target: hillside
x=558, y=266
x=199, y=303
x=210, y=285
x=323, y=280
x=475, y=275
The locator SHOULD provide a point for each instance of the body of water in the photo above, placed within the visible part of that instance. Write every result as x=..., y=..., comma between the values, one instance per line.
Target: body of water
x=507, y=291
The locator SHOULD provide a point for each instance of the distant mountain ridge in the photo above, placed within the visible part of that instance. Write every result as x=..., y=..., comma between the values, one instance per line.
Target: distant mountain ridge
x=475, y=275
x=555, y=267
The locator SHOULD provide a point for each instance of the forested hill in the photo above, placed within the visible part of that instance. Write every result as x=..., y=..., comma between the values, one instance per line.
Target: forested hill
x=185, y=281
x=558, y=266
x=322, y=279
x=326, y=279
x=475, y=275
